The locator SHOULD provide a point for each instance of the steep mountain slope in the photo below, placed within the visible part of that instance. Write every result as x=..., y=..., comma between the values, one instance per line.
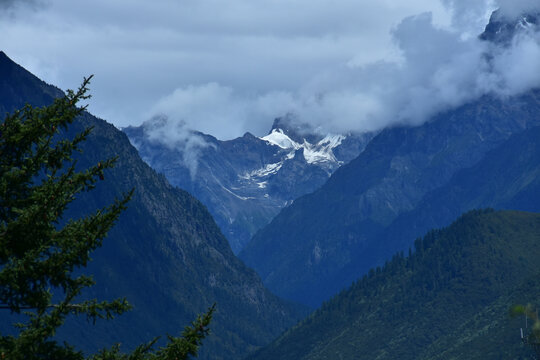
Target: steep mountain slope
x=246, y=181
x=450, y=299
x=166, y=254
x=325, y=240
x=301, y=252
x=500, y=30
x=508, y=177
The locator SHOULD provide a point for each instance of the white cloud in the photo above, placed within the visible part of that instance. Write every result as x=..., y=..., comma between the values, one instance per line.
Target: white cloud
x=517, y=67
x=142, y=51
x=230, y=67
x=438, y=69
x=215, y=109
x=470, y=16
x=176, y=135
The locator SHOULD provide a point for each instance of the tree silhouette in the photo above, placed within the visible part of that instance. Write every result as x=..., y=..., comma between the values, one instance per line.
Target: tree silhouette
x=40, y=251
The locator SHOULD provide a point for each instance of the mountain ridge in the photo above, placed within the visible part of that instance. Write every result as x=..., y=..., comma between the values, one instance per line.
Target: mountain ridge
x=347, y=215
x=453, y=291
x=165, y=253
x=244, y=182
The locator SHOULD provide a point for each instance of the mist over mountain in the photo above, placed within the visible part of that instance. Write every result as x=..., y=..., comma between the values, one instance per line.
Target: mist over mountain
x=433, y=68
x=370, y=149
x=246, y=181
x=166, y=255
x=351, y=66
x=325, y=240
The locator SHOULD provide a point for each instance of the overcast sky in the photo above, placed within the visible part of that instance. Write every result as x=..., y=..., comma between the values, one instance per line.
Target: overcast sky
x=230, y=66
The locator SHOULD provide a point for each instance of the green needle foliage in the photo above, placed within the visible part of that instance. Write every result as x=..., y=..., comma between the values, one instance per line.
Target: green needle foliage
x=40, y=252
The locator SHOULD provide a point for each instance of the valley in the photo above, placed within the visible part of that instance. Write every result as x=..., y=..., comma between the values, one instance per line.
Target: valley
x=390, y=211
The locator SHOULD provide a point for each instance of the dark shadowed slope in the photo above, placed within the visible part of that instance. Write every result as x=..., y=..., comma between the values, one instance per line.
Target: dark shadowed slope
x=450, y=299
x=301, y=253
x=166, y=254
x=507, y=177
x=325, y=240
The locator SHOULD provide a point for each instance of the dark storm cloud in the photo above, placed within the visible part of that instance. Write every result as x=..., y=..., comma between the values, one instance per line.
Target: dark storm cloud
x=18, y=4
x=513, y=8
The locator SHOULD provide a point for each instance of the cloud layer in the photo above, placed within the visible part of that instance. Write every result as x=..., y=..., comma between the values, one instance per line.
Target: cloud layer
x=229, y=67
x=142, y=52
x=438, y=69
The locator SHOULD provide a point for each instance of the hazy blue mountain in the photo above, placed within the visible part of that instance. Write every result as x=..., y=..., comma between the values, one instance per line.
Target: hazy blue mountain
x=326, y=239
x=244, y=182
x=165, y=254
x=448, y=300
x=500, y=30
x=507, y=177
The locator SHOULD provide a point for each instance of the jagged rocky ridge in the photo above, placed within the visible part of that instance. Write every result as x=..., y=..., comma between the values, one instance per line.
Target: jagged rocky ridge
x=359, y=218
x=501, y=30
x=165, y=255
x=246, y=181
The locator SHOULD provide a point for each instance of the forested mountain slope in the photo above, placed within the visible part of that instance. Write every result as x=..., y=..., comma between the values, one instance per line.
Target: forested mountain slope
x=165, y=254
x=301, y=253
x=508, y=177
x=449, y=299
x=326, y=239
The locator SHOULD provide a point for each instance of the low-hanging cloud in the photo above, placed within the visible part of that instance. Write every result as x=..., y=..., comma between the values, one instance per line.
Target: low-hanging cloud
x=229, y=67
x=216, y=109
x=438, y=68
x=176, y=135
x=141, y=51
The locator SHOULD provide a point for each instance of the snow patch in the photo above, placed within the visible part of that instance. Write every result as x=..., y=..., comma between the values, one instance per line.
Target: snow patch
x=236, y=195
x=313, y=153
x=278, y=138
x=323, y=150
x=269, y=169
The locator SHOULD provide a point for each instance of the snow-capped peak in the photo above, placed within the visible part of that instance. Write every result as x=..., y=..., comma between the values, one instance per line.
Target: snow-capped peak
x=279, y=138
x=320, y=152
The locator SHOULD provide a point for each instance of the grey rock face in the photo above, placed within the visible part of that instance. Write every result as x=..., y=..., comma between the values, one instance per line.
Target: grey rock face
x=245, y=182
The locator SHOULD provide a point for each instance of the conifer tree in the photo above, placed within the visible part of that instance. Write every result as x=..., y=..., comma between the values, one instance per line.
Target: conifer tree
x=40, y=251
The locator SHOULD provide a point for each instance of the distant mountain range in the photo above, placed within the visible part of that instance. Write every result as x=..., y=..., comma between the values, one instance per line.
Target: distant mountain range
x=406, y=181
x=246, y=181
x=323, y=211
x=448, y=300
x=165, y=255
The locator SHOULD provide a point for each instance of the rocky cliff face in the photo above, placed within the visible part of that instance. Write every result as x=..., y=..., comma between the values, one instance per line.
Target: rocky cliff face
x=501, y=30
x=245, y=182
